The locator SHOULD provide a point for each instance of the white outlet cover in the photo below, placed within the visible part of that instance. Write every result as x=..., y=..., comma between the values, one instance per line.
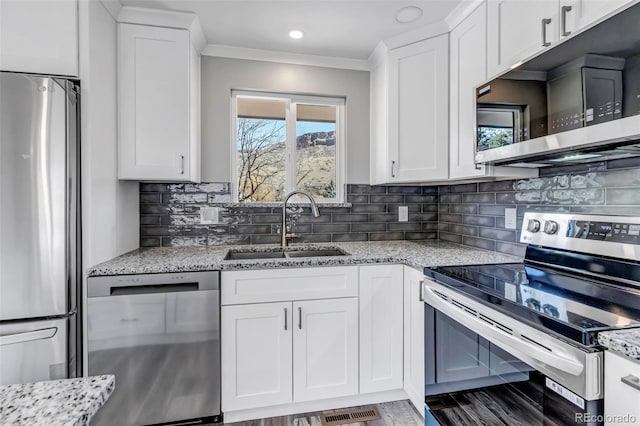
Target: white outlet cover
x=510, y=218
x=403, y=214
x=209, y=215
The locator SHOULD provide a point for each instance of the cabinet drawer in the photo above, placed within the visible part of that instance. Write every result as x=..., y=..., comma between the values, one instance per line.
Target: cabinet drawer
x=289, y=284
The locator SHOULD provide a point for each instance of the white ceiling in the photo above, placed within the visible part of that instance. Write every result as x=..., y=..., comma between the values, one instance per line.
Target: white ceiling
x=334, y=28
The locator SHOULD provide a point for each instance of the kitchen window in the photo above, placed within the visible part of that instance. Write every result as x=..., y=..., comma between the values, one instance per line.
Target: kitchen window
x=282, y=143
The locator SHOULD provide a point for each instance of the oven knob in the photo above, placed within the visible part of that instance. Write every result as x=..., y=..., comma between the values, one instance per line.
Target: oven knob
x=550, y=227
x=533, y=225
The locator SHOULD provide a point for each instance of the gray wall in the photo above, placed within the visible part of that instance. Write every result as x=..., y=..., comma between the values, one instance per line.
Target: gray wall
x=221, y=75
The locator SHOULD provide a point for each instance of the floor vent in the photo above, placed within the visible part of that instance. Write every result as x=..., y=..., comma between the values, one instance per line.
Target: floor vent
x=349, y=415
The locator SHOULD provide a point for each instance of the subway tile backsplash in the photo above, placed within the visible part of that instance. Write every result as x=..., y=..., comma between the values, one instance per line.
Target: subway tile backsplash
x=473, y=214
x=470, y=213
x=169, y=216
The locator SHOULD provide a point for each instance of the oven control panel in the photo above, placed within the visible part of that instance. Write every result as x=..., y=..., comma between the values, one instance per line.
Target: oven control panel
x=613, y=236
x=604, y=231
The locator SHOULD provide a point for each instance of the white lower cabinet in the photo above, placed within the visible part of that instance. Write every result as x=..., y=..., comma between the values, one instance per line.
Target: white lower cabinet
x=325, y=349
x=256, y=342
x=279, y=353
x=288, y=351
x=414, y=350
x=381, y=322
x=621, y=389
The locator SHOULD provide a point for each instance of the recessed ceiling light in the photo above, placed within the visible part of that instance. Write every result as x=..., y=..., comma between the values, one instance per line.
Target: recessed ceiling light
x=408, y=14
x=296, y=34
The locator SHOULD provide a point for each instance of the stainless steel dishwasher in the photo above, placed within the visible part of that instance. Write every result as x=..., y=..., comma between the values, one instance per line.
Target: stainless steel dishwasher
x=160, y=335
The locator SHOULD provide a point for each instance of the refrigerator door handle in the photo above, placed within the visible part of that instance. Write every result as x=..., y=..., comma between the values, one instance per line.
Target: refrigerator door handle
x=29, y=336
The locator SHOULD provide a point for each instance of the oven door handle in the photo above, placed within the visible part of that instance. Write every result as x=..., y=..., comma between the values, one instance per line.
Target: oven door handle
x=525, y=351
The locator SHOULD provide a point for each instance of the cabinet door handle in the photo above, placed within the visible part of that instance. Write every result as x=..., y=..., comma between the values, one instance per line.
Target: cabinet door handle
x=285, y=318
x=393, y=169
x=182, y=164
x=421, y=291
x=631, y=380
x=300, y=318
x=545, y=22
x=563, y=22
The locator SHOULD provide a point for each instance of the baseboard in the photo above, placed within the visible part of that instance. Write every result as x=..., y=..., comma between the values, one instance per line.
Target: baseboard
x=311, y=406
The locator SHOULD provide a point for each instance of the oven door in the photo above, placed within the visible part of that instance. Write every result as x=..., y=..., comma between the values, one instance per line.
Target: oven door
x=563, y=383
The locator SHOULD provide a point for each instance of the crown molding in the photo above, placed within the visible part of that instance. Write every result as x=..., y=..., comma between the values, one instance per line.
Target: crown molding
x=113, y=7
x=461, y=11
x=165, y=18
x=233, y=52
x=417, y=35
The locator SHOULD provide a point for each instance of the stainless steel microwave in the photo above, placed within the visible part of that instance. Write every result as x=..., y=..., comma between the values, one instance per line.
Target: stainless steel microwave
x=575, y=102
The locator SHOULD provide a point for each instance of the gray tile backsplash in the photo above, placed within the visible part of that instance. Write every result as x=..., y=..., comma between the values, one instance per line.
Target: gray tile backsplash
x=470, y=213
x=169, y=216
x=473, y=214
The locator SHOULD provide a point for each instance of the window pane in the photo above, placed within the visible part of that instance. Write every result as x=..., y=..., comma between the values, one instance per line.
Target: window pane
x=316, y=150
x=261, y=149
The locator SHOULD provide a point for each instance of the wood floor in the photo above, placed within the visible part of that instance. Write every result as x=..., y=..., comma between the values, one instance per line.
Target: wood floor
x=398, y=413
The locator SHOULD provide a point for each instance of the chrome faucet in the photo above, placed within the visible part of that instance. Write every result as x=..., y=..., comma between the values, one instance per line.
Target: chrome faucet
x=283, y=230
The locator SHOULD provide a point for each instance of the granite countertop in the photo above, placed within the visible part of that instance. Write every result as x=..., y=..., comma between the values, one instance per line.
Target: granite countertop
x=181, y=259
x=626, y=342
x=67, y=402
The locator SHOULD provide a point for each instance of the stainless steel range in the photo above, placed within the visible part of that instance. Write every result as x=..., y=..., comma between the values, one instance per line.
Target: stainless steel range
x=580, y=276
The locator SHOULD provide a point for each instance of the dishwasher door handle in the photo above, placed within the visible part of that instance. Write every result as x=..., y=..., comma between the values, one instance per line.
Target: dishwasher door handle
x=150, y=289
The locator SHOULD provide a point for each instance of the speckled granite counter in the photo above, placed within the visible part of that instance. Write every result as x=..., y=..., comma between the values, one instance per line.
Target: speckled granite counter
x=626, y=342
x=66, y=402
x=181, y=259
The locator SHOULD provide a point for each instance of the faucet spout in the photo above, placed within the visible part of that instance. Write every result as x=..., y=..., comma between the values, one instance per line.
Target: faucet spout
x=314, y=210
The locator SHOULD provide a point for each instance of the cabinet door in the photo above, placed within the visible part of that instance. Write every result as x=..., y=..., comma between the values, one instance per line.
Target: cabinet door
x=256, y=343
x=515, y=31
x=379, y=163
x=460, y=353
x=584, y=12
x=39, y=36
x=418, y=116
x=154, y=101
x=468, y=70
x=325, y=348
x=621, y=389
x=414, y=350
x=381, y=319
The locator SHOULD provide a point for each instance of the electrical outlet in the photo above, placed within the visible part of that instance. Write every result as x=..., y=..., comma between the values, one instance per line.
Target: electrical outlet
x=403, y=214
x=209, y=215
x=510, y=218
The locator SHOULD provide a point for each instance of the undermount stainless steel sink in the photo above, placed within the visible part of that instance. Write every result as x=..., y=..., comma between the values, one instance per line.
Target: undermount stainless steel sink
x=284, y=254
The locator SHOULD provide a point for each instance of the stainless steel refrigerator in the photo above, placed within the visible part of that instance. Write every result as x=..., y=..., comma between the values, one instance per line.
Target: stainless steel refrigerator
x=39, y=228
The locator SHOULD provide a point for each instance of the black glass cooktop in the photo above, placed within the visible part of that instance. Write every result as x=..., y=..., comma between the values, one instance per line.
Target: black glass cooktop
x=570, y=305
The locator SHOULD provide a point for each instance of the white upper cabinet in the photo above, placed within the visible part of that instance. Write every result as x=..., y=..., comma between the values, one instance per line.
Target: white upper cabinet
x=577, y=14
x=518, y=29
x=468, y=60
x=409, y=121
x=468, y=69
x=39, y=36
x=158, y=103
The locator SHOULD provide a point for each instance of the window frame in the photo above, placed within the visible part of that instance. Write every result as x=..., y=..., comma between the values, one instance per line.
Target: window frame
x=291, y=101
